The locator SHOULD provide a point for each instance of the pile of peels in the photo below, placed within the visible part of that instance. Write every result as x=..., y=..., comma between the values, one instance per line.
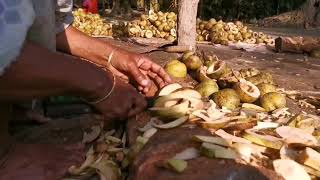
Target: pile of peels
x=248, y=119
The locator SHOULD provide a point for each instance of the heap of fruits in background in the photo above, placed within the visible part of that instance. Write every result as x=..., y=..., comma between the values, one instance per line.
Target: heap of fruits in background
x=164, y=25
x=220, y=32
x=91, y=24
x=160, y=25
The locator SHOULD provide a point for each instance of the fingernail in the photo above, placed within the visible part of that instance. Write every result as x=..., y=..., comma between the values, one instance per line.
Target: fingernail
x=144, y=82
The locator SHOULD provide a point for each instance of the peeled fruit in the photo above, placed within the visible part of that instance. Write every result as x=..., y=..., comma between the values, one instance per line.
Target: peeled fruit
x=207, y=88
x=201, y=74
x=193, y=62
x=247, y=91
x=216, y=70
x=272, y=101
x=266, y=88
x=172, y=112
x=227, y=98
x=176, y=68
x=169, y=89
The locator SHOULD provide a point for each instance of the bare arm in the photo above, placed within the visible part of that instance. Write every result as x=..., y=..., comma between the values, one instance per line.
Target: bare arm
x=38, y=72
x=74, y=42
x=134, y=66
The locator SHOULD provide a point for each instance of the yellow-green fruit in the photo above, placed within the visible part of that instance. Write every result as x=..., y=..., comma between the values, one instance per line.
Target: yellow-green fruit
x=216, y=70
x=207, y=88
x=227, y=98
x=272, y=101
x=202, y=74
x=186, y=55
x=266, y=88
x=193, y=62
x=261, y=78
x=176, y=69
x=247, y=91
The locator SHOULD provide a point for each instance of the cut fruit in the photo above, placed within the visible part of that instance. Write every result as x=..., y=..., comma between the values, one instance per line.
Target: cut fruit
x=215, y=151
x=253, y=107
x=290, y=170
x=227, y=98
x=207, y=88
x=202, y=74
x=261, y=78
x=296, y=136
x=266, y=125
x=311, y=171
x=247, y=91
x=177, y=165
x=176, y=111
x=266, y=88
x=217, y=69
x=187, y=154
x=230, y=138
x=149, y=133
x=310, y=158
x=272, y=101
x=169, y=89
x=263, y=140
x=210, y=139
x=188, y=94
x=172, y=124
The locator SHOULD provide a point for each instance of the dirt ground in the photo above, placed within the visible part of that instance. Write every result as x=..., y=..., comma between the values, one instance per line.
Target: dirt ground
x=291, y=71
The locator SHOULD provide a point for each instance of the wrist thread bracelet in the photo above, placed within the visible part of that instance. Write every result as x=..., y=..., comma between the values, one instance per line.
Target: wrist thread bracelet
x=106, y=96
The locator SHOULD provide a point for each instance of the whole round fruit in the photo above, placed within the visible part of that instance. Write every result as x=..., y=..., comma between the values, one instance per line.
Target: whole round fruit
x=207, y=88
x=272, y=101
x=176, y=68
x=193, y=62
x=247, y=91
x=227, y=98
x=186, y=55
x=266, y=88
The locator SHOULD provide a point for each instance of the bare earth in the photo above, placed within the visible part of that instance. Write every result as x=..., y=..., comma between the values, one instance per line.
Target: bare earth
x=291, y=71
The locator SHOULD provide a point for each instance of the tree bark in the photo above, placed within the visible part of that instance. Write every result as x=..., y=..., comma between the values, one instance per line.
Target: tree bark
x=311, y=11
x=187, y=22
x=121, y=7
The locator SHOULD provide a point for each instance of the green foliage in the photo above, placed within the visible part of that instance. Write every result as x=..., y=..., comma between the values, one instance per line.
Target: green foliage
x=246, y=9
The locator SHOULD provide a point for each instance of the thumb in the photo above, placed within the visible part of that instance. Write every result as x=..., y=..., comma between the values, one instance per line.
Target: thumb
x=139, y=76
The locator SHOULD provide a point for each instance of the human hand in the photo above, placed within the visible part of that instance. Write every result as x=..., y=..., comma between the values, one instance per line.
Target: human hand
x=138, y=68
x=123, y=102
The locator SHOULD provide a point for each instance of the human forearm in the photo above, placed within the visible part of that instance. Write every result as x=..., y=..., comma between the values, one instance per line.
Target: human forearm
x=74, y=42
x=40, y=73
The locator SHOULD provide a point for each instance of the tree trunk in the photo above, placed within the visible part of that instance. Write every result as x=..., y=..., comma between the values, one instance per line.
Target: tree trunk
x=187, y=22
x=121, y=7
x=311, y=11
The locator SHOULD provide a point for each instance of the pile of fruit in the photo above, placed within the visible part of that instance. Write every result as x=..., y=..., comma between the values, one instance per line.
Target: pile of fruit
x=164, y=25
x=246, y=114
x=91, y=24
x=220, y=32
x=160, y=25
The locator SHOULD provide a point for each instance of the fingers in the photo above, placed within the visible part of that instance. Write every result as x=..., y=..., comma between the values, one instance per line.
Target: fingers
x=138, y=76
x=149, y=65
x=139, y=104
x=157, y=79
